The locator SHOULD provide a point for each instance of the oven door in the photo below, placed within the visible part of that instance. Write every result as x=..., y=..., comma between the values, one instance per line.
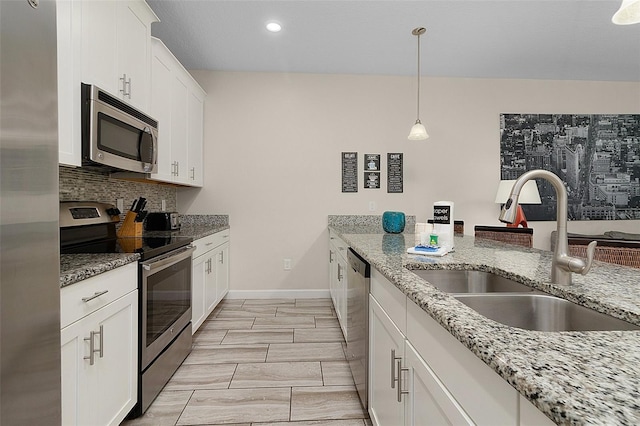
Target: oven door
x=165, y=301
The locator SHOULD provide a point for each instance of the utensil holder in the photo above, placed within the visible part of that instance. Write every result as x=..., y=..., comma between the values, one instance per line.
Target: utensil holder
x=130, y=228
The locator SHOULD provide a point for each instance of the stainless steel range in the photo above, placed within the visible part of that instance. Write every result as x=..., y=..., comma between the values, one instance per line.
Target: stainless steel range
x=164, y=283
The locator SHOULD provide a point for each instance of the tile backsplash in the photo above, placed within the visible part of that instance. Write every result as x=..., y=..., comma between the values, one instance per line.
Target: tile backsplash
x=89, y=185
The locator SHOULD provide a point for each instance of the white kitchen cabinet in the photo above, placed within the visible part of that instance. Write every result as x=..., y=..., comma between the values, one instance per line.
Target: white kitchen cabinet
x=338, y=279
x=99, y=387
x=69, y=24
x=210, y=281
x=429, y=403
x=178, y=105
x=442, y=382
x=116, y=48
x=195, y=134
x=386, y=348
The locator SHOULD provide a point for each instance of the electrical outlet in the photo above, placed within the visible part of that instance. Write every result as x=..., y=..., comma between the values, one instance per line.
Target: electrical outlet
x=120, y=205
x=287, y=264
x=372, y=206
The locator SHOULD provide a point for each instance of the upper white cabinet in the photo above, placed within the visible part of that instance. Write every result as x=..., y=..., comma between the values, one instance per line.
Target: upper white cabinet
x=106, y=43
x=116, y=48
x=69, y=24
x=177, y=102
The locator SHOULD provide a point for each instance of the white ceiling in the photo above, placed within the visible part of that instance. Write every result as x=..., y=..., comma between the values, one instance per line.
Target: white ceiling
x=539, y=39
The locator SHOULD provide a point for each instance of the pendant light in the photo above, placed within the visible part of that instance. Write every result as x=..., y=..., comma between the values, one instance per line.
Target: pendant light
x=629, y=13
x=418, y=132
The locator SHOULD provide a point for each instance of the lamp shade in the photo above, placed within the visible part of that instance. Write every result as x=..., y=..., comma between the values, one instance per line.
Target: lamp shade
x=629, y=13
x=418, y=132
x=528, y=195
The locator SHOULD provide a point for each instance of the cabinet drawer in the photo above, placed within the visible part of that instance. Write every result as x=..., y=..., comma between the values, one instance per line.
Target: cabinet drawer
x=116, y=283
x=392, y=300
x=210, y=242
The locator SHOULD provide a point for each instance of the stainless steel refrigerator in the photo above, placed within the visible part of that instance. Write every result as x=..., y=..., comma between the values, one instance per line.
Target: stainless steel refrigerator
x=29, y=242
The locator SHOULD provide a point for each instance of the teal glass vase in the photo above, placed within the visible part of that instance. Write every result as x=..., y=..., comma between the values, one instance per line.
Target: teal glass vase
x=393, y=222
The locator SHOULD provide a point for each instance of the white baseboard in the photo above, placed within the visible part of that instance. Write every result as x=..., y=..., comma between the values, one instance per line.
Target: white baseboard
x=278, y=294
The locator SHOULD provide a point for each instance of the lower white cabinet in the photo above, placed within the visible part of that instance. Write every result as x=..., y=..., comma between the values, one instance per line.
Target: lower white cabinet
x=100, y=348
x=386, y=348
x=210, y=278
x=338, y=279
x=420, y=375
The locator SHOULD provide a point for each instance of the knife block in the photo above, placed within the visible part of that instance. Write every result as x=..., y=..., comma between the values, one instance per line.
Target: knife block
x=130, y=228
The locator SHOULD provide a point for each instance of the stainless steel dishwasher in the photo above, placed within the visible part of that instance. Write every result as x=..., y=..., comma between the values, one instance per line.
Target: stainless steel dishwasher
x=358, y=277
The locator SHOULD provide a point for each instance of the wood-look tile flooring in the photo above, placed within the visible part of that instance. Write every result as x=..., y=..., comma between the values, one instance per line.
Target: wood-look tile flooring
x=269, y=362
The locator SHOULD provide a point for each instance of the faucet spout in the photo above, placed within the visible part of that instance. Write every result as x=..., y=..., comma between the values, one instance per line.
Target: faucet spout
x=563, y=265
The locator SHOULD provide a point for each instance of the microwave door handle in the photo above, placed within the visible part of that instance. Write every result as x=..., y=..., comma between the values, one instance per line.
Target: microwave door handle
x=154, y=148
x=146, y=143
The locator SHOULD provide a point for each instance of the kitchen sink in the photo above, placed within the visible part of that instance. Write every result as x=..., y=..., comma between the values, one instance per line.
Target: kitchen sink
x=454, y=281
x=541, y=312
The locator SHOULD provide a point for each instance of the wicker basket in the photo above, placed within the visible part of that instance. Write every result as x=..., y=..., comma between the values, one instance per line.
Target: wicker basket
x=620, y=252
x=517, y=236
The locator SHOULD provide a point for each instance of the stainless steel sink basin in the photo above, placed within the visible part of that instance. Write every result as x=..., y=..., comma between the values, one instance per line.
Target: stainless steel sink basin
x=541, y=312
x=453, y=281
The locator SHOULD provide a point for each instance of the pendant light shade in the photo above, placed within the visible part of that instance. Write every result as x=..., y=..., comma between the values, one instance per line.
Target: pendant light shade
x=418, y=131
x=629, y=13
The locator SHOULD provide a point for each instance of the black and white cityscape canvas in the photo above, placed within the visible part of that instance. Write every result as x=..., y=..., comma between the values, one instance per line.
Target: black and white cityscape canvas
x=597, y=156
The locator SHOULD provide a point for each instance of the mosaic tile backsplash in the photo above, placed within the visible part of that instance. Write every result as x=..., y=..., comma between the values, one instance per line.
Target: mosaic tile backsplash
x=88, y=185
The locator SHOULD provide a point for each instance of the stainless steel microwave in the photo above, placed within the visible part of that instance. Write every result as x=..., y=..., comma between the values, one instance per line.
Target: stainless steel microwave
x=115, y=134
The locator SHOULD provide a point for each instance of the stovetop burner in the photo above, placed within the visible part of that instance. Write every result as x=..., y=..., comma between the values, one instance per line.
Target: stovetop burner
x=148, y=247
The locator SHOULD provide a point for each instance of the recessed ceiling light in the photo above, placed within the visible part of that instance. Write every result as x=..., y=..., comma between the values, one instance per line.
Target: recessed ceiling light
x=274, y=27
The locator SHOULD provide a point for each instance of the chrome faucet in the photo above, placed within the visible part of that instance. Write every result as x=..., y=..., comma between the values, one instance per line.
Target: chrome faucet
x=562, y=265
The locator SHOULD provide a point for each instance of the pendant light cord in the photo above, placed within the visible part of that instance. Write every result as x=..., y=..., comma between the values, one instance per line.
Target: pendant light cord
x=418, y=95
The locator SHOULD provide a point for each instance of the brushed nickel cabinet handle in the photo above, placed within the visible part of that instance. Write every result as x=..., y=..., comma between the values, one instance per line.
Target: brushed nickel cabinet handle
x=95, y=295
x=400, y=391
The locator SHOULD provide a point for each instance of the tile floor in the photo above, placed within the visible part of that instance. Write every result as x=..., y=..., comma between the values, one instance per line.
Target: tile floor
x=262, y=363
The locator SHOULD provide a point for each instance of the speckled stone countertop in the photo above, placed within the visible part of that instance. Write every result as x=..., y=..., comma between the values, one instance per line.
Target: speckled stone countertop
x=572, y=377
x=78, y=267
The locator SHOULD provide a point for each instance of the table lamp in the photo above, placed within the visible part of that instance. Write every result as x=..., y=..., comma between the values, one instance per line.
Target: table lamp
x=528, y=195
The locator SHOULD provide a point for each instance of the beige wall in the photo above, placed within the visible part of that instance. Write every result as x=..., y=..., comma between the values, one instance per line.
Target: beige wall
x=273, y=144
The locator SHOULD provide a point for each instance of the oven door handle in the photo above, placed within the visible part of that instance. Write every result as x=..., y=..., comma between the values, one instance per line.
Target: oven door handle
x=169, y=259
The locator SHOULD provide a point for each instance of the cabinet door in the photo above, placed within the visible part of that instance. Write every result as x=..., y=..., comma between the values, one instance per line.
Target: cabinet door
x=99, y=44
x=333, y=275
x=428, y=402
x=210, y=290
x=161, y=84
x=69, y=25
x=179, y=142
x=222, y=272
x=133, y=47
x=104, y=392
x=198, y=278
x=117, y=362
x=195, y=133
x=341, y=294
x=78, y=378
x=386, y=344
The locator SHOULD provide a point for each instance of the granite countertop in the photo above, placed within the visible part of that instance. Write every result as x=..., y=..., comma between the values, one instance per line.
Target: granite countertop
x=77, y=267
x=573, y=377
